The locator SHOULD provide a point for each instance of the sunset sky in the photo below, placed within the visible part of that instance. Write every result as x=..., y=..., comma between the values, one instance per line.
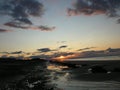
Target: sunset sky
x=57, y=25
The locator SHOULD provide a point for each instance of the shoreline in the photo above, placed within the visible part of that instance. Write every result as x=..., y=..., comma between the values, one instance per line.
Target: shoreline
x=93, y=62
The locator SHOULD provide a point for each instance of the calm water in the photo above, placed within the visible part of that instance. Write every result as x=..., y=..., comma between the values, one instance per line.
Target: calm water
x=79, y=79
x=65, y=81
x=97, y=58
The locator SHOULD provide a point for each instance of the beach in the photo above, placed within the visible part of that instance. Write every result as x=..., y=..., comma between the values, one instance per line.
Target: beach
x=67, y=75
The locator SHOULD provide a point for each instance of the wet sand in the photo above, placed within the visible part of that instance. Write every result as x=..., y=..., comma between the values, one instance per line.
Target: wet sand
x=78, y=77
x=34, y=74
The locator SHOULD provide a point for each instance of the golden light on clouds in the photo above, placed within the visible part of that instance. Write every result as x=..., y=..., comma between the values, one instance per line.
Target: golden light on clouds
x=60, y=58
x=64, y=58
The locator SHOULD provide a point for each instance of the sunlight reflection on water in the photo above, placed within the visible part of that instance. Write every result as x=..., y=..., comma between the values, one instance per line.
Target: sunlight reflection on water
x=56, y=67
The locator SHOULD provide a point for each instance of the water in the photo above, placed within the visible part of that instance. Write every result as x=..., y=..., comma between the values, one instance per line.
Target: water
x=80, y=79
x=65, y=80
x=96, y=58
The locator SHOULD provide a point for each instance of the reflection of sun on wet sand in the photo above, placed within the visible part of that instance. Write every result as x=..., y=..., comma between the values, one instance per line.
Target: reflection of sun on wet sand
x=56, y=67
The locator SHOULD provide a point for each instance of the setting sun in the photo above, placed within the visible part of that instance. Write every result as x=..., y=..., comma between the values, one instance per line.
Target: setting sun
x=61, y=57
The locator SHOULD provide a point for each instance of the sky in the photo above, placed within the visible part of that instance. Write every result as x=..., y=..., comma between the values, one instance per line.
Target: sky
x=64, y=25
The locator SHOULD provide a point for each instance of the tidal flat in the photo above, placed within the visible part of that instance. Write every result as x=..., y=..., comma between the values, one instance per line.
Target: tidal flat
x=46, y=75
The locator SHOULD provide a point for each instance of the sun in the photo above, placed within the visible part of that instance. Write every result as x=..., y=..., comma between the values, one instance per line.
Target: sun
x=61, y=57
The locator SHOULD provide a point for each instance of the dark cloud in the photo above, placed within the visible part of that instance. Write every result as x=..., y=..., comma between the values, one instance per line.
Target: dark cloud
x=66, y=53
x=87, y=48
x=63, y=46
x=4, y=30
x=24, y=20
x=17, y=52
x=118, y=21
x=31, y=27
x=58, y=54
x=41, y=28
x=21, y=10
x=16, y=25
x=44, y=50
x=94, y=7
x=100, y=53
x=4, y=52
x=54, y=55
x=45, y=28
x=42, y=56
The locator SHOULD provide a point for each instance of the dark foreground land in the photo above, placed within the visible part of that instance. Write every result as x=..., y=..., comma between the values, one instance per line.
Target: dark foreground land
x=96, y=70
x=100, y=70
x=34, y=75
x=24, y=75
